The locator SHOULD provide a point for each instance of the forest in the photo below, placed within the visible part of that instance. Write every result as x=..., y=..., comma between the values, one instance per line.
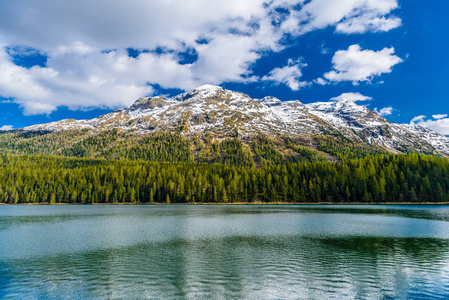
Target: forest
x=379, y=178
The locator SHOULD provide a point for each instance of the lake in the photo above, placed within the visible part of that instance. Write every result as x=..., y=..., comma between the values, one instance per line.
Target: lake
x=224, y=251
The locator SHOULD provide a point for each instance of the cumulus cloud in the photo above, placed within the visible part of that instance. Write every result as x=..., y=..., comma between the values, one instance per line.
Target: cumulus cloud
x=321, y=81
x=352, y=97
x=368, y=22
x=88, y=65
x=417, y=119
x=49, y=24
x=386, y=111
x=102, y=80
x=348, y=16
x=439, y=116
x=359, y=65
x=6, y=128
x=440, y=123
x=289, y=75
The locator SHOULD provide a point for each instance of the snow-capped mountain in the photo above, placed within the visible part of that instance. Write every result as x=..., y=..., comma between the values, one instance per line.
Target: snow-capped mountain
x=438, y=141
x=222, y=112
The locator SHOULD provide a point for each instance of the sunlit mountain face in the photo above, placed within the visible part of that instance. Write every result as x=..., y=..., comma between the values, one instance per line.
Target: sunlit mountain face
x=214, y=112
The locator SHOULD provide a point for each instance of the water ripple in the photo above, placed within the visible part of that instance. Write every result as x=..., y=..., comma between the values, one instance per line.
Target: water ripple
x=178, y=252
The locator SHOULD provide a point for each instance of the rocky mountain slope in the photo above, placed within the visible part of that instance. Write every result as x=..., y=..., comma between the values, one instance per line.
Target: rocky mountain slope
x=222, y=113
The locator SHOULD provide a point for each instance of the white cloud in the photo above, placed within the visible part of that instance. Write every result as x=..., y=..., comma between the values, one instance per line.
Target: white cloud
x=6, y=128
x=220, y=60
x=349, y=16
x=352, y=97
x=324, y=49
x=86, y=41
x=359, y=65
x=321, y=81
x=101, y=80
x=289, y=75
x=439, y=116
x=417, y=119
x=440, y=125
x=386, y=111
x=105, y=24
x=368, y=22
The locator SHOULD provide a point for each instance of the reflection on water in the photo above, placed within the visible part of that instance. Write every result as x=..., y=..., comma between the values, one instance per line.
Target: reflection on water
x=224, y=252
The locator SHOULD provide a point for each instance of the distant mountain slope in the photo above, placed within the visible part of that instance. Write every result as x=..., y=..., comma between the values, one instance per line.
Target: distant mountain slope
x=210, y=115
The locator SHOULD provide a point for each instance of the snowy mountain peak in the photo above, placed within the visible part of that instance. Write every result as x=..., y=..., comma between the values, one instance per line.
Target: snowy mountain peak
x=221, y=112
x=343, y=101
x=144, y=104
x=208, y=87
x=270, y=101
x=208, y=90
x=202, y=92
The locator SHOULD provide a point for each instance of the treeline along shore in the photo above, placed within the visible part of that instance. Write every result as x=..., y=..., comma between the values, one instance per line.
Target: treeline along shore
x=374, y=179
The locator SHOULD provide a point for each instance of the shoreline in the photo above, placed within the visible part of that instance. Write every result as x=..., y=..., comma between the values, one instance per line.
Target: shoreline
x=237, y=203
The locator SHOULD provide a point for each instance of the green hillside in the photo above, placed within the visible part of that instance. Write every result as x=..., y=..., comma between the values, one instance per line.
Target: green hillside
x=258, y=151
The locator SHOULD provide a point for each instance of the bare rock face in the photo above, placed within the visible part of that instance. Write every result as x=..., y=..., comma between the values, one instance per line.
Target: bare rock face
x=222, y=113
x=144, y=104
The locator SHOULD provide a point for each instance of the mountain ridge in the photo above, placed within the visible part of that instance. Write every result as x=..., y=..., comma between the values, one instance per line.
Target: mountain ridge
x=223, y=113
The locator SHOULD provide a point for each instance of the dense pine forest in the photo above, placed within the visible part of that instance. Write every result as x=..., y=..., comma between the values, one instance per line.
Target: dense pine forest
x=380, y=178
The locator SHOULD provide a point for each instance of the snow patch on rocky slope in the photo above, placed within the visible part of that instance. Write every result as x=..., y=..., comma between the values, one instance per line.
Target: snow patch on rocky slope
x=222, y=112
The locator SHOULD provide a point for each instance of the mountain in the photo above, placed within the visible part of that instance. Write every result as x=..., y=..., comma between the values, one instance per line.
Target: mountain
x=212, y=124
x=214, y=145
x=221, y=112
x=207, y=108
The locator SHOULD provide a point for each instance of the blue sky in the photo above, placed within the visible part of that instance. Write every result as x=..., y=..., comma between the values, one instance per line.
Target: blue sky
x=84, y=58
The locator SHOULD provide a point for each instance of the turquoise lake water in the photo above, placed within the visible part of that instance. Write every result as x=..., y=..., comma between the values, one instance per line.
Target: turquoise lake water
x=241, y=251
